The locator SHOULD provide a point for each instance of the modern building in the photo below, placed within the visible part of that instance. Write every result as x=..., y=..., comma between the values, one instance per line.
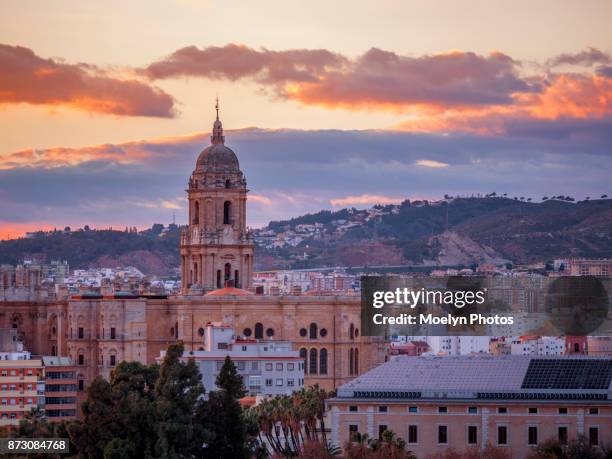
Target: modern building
x=512, y=402
x=268, y=367
x=21, y=386
x=60, y=395
x=537, y=345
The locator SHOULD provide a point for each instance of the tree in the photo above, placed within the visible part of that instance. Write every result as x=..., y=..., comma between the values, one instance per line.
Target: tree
x=224, y=415
x=177, y=393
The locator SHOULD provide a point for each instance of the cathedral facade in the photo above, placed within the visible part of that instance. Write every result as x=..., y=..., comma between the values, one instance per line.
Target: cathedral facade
x=99, y=330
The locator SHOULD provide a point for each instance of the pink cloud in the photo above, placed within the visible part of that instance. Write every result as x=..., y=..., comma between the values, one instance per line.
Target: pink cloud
x=31, y=79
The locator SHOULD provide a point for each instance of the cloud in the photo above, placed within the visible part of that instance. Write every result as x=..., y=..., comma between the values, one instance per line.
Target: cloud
x=31, y=79
x=364, y=199
x=233, y=62
x=587, y=57
x=378, y=78
x=430, y=163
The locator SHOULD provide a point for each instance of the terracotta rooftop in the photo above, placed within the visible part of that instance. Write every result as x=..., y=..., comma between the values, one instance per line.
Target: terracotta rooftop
x=229, y=291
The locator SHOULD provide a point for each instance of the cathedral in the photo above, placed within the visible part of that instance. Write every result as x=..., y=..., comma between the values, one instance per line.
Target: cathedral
x=99, y=330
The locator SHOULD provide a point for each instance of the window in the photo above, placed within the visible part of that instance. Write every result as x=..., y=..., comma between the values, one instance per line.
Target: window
x=313, y=331
x=352, y=331
x=472, y=435
x=254, y=366
x=258, y=331
x=270, y=332
x=532, y=435
x=502, y=410
x=323, y=332
x=247, y=332
x=594, y=436
x=303, y=332
x=356, y=361
x=413, y=434
x=279, y=381
x=472, y=410
x=227, y=211
x=219, y=364
x=533, y=410
x=502, y=435
x=81, y=333
x=290, y=366
x=382, y=428
x=351, y=363
x=290, y=383
x=244, y=348
x=382, y=409
x=268, y=382
x=279, y=366
x=593, y=410
x=268, y=367
x=304, y=356
x=442, y=409
x=442, y=435
x=323, y=362
x=240, y=365
x=113, y=333
x=81, y=359
x=562, y=435
x=413, y=409
x=313, y=362
x=353, y=431
x=112, y=360
x=81, y=384
x=353, y=408
x=562, y=410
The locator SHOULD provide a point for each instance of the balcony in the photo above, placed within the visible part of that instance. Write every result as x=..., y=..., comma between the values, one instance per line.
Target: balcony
x=196, y=236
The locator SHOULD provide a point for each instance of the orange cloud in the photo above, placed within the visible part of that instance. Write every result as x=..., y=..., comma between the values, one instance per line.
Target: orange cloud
x=28, y=78
x=431, y=163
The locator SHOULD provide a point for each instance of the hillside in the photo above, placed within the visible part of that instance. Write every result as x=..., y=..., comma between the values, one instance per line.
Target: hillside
x=459, y=231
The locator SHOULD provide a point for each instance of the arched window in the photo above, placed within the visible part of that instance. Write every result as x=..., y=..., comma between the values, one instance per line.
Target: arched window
x=227, y=272
x=313, y=331
x=53, y=350
x=196, y=213
x=351, y=361
x=323, y=362
x=236, y=279
x=195, y=271
x=304, y=356
x=228, y=183
x=218, y=278
x=356, y=366
x=313, y=362
x=258, y=331
x=81, y=357
x=352, y=332
x=227, y=211
x=576, y=348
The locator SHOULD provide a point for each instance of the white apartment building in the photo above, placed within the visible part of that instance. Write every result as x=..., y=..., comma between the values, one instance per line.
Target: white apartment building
x=268, y=368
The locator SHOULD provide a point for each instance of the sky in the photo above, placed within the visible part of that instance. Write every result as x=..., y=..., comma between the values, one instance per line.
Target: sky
x=104, y=106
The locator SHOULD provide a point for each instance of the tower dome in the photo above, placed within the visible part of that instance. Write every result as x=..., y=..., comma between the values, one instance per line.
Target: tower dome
x=217, y=157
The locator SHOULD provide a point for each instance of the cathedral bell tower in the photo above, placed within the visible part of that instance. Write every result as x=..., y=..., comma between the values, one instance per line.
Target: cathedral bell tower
x=216, y=247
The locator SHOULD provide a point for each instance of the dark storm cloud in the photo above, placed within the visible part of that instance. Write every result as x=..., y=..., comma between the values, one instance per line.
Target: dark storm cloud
x=291, y=172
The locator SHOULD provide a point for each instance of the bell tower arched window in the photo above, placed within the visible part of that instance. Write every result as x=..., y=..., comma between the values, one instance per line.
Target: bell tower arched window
x=228, y=183
x=227, y=211
x=196, y=213
x=227, y=272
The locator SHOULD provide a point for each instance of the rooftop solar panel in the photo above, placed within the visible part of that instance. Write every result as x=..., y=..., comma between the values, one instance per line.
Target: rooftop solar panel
x=568, y=374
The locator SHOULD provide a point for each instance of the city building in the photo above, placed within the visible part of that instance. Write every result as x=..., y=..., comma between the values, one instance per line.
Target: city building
x=587, y=267
x=60, y=400
x=268, y=367
x=537, y=345
x=511, y=402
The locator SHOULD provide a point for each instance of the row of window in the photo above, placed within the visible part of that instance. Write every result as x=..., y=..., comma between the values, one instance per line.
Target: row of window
x=280, y=382
x=17, y=387
x=81, y=333
x=474, y=409
x=242, y=365
x=18, y=373
x=310, y=361
x=502, y=434
x=60, y=400
x=14, y=401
